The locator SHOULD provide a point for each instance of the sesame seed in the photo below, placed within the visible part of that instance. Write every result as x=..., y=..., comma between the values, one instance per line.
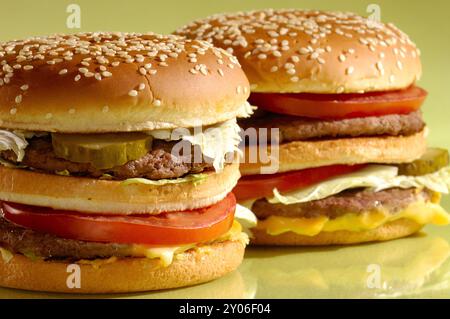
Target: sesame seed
x=314, y=55
x=294, y=79
x=157, y=102
x=379, y=66
x=98, y=76
x=342, y=57
x=304, y=51
x=72, y=111
x=262, y=56
x=349, y=70
x=399, y=65
x=77, y=78
x=24, y=87
x=276, y=53
x=220, y=72
x=28, y=67
x=289, y=66
x=274, y=69
x=133, y=93
x=141, y=86
x=18, y=99
x=13, y=111
x=363, y=41
x=63, y=71
x=392, y=78
x=106, y=74
x=142, y=71
x=291, y=71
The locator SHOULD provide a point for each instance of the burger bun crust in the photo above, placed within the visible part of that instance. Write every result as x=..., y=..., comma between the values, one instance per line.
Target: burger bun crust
x=124, y=275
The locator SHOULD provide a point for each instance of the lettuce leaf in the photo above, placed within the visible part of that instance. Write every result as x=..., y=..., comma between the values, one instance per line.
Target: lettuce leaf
x=246, y=110
x=246, y=218
x=215, y=142
x=14, y=141
x=192, y=178
x=375, y=177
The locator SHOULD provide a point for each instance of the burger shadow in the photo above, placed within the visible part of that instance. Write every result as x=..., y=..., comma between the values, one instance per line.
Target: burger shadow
x=260, y=252
x=230, y=286
x=239, y=282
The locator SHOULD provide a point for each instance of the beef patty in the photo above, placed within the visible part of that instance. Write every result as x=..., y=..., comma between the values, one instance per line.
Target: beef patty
x=29, y=242
x=292, y=128
x=356, y=201
x=159, y=163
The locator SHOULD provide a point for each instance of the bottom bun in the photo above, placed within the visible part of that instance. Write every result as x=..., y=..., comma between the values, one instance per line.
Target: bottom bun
x=124, y=275
x=396, y=229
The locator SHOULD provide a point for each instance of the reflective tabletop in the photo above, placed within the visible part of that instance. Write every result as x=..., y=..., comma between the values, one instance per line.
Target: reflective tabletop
x=413, y=267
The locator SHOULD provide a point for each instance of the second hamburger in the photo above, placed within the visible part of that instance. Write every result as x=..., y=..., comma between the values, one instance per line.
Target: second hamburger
x=341, y=90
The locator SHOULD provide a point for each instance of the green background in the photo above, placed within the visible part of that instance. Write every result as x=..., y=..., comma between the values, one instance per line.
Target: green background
x=426, y=22
x=415, y=266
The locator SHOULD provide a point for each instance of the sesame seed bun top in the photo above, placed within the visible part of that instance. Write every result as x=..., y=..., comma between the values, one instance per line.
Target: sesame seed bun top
x=113, y=82
x=313, y=51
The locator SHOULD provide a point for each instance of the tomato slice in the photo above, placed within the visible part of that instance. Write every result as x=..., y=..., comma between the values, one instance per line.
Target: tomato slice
x=339, y=106
x=173, y=228
x=258, y=186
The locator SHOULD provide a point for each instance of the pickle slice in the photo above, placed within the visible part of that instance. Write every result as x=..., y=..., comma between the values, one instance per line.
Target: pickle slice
x=433, y=160
x=101, y=150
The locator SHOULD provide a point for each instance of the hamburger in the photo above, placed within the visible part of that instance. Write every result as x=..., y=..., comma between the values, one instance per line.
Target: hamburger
x=340, y=111
x=118, y=161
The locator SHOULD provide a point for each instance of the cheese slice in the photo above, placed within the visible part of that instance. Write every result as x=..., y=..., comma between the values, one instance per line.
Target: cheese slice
x=167, y=254
x=419, y=212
